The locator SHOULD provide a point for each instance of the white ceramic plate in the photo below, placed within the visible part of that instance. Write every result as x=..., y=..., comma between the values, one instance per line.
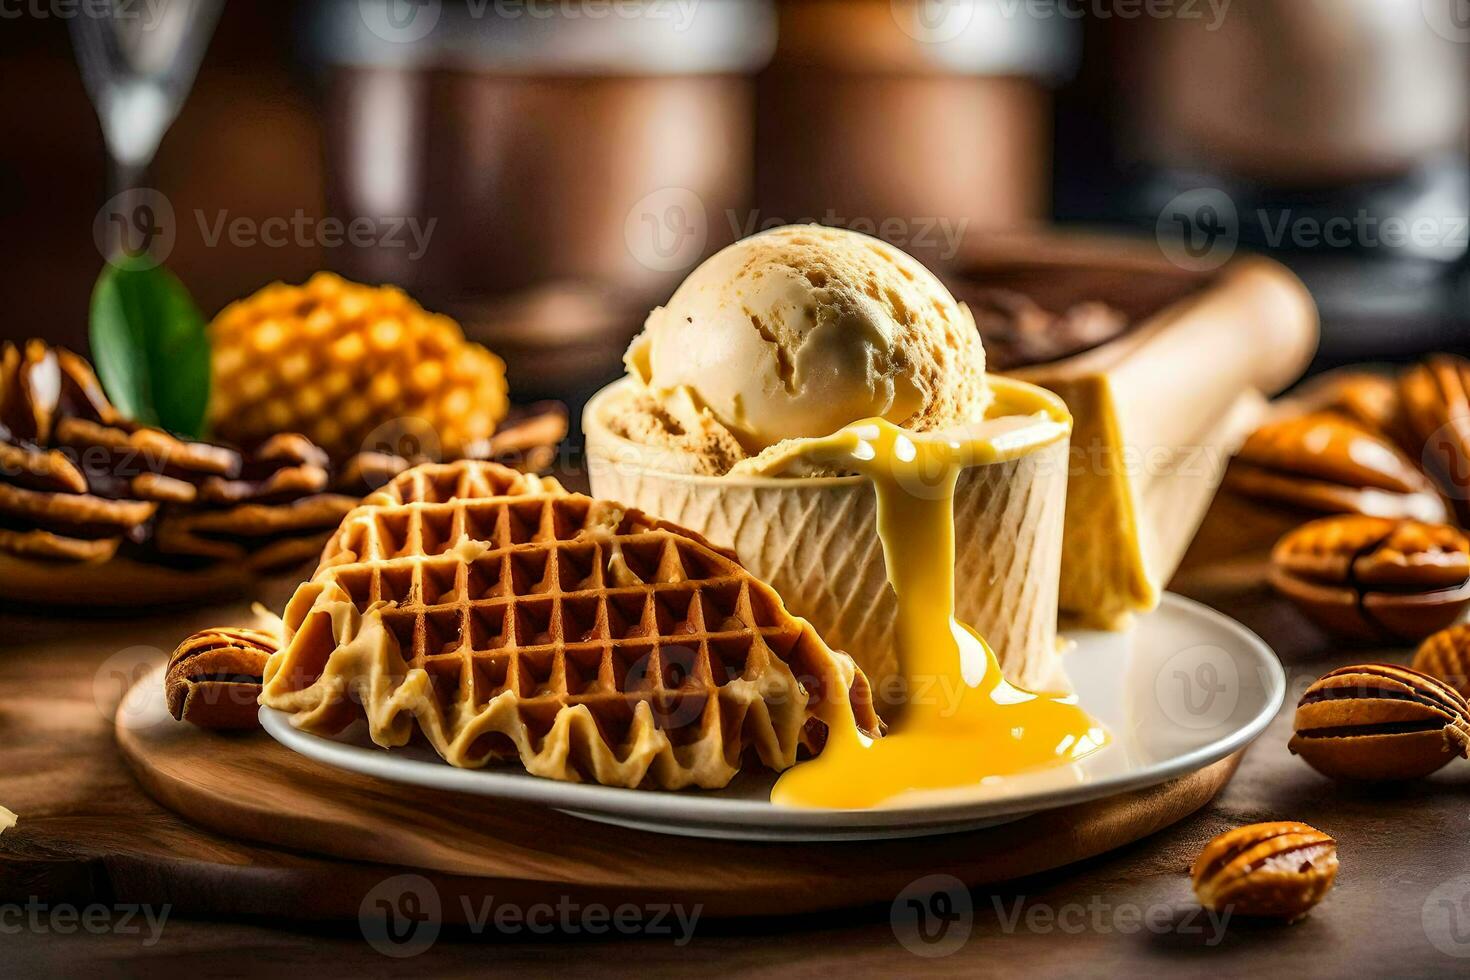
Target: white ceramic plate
x=1185, y=688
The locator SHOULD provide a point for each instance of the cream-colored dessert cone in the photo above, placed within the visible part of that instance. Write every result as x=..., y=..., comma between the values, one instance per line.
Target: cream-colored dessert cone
x=816, y=541
x=1176, y=495
x=1156, y=423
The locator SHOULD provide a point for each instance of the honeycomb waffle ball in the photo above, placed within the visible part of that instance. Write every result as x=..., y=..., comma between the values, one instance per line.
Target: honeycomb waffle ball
x=348, y=365
x=585, y=640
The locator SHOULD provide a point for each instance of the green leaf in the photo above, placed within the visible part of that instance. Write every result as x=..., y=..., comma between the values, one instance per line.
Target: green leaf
x=150, y=347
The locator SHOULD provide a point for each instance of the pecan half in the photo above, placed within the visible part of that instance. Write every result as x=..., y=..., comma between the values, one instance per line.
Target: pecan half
x=1435, y=397
x=1271, y=870
x=1325, y=463
x=1379, y=722
x=213, y=678
x=1445, y=656
x=1375, y=578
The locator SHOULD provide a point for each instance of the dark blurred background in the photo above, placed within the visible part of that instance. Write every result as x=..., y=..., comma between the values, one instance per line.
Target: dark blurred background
x=546, y=171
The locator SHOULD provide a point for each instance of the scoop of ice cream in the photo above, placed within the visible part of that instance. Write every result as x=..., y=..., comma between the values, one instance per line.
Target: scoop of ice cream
x=686, y=436
x=798, y=331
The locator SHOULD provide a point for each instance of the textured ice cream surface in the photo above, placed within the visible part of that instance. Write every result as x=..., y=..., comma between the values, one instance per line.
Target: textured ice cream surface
x=798, y=331
x=688, y=437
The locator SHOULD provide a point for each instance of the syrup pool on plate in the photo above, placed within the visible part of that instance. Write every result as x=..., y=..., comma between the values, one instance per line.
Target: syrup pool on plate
x=972, y=726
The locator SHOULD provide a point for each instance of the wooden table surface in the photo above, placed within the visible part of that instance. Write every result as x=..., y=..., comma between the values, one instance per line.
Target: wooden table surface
x=1128, y=913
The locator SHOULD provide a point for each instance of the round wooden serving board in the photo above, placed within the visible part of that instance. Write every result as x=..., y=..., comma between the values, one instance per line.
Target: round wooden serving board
x=248, y=786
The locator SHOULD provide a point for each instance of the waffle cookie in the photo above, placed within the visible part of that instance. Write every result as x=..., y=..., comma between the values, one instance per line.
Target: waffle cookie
x=264, y=537
x=354, y=368
x=500, y=617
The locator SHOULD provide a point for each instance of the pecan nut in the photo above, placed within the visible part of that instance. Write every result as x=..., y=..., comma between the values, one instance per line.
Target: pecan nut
x=1325, y=463
x=1380, y=723
x=1445, y=656
x=1269, y=870
x=1019, y=332
x=213, y=678
x=1367, y=398
x=1435, y=399
x=1375, y=578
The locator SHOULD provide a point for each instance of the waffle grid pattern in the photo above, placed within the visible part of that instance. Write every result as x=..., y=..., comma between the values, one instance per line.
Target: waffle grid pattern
x=562, y=606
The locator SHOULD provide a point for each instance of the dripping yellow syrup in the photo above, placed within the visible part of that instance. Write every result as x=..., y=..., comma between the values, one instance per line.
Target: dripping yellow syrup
x=965, y=725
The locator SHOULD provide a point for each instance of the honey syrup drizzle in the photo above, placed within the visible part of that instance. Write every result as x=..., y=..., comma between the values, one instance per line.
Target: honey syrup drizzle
x=972, y=726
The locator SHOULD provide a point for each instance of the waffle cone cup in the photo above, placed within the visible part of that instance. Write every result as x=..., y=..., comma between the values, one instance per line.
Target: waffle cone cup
x=815, y=540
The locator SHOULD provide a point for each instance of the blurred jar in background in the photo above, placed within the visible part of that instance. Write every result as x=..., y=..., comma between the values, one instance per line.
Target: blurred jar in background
x=1306, y=112
x=921, y=120
x=1304, y=92
x=572, y=158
